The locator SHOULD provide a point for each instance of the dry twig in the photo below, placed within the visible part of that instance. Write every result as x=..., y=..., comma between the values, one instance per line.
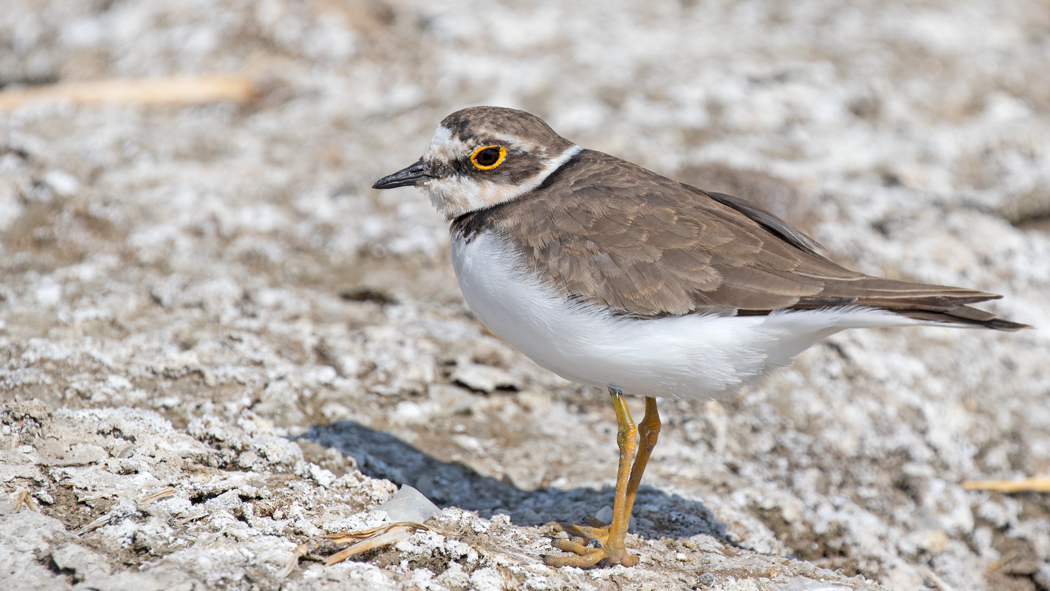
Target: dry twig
x=24, y=498
x=1034, y=484
x=160, y=494
x=93, y=525
x=374, y=537
x=364, y=540
x=175, y=90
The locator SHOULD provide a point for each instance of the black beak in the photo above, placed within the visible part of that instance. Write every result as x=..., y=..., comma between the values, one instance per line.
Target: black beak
x=413, y=175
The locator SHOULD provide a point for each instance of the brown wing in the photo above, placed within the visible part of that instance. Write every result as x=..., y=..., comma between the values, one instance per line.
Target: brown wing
x=608, y=231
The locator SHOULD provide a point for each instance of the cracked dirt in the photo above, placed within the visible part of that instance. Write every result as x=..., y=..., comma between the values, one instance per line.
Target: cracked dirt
x=217, y=343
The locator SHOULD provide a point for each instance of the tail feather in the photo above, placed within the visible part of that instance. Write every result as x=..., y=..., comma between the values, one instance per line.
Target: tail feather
x=930, y=303
x=966, y=316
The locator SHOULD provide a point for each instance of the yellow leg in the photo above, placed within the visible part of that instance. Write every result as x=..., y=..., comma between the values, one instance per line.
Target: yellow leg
x=648, y=433
x=610, y=540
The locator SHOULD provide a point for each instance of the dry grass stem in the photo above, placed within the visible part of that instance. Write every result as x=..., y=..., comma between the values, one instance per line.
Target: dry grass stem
x=374, y=537
x=175, y=90
x=160, y=494
x=24, y=498
x=1034, y=484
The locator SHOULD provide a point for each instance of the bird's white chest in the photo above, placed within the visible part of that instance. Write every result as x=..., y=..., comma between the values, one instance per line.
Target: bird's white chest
x=692, y=356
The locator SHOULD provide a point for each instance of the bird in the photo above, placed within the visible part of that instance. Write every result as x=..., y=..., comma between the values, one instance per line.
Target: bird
x=613, y=276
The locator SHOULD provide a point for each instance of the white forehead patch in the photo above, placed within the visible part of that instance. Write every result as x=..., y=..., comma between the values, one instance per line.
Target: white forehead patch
x=444, y=148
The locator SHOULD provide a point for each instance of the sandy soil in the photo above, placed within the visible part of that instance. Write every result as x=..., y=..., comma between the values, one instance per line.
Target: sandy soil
x=210, y=303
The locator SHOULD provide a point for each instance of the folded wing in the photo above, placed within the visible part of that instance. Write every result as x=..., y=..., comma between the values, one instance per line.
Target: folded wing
x=614, y=233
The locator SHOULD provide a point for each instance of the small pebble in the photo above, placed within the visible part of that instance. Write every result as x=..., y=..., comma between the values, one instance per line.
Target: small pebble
x=408, y=504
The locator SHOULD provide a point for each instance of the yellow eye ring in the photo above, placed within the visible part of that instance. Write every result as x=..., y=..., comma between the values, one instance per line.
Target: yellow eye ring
x=482, y=158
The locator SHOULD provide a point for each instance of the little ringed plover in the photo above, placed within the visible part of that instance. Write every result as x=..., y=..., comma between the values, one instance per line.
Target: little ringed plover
x=613, y=276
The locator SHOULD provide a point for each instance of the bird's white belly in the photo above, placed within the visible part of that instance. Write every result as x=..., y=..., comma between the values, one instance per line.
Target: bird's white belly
x=694, y=356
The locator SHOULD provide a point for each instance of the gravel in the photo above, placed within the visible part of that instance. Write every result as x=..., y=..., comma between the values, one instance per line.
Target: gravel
x=217, y=344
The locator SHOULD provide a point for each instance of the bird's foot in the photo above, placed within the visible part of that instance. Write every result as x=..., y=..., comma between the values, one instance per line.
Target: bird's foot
x=590, y=545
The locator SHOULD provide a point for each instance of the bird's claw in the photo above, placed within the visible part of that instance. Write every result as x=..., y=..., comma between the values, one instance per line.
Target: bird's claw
x=589, y=546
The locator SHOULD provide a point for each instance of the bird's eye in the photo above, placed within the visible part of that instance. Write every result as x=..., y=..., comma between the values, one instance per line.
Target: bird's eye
x=488, y=157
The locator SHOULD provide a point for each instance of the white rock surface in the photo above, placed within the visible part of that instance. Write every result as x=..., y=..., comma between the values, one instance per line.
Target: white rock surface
x=217, y=343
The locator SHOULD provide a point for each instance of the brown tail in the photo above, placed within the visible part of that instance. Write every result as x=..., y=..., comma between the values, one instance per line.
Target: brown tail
x=933, y=303
x=966, y=315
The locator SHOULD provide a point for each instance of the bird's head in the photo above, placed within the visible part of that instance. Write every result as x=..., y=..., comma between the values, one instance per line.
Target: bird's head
x=483, y=156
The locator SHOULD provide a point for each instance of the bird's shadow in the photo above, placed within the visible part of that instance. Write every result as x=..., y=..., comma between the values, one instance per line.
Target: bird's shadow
x=381, y=455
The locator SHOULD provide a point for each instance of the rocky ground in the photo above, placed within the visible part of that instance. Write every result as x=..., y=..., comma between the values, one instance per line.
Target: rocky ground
x=217, y=343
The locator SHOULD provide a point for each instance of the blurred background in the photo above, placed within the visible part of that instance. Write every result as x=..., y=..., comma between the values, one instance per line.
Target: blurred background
x=187, y=228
